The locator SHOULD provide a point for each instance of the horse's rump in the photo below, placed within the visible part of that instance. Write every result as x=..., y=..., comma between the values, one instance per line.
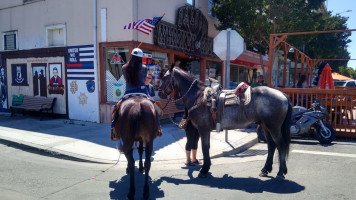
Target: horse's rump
x=137, y=121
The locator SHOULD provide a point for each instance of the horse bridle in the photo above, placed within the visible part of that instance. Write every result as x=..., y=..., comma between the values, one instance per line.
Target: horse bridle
x=172, y=89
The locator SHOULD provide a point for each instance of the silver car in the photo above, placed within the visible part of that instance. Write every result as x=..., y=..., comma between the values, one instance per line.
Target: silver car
x=345, y=83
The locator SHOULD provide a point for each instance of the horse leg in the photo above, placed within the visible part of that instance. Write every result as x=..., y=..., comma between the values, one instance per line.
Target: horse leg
x=140, y=152
x=205, y=144
x=148, y=150
x=131, y=169
x=282, y=150
x=271, y=149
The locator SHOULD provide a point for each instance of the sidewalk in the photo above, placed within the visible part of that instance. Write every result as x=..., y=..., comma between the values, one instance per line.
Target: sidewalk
x=90, y=141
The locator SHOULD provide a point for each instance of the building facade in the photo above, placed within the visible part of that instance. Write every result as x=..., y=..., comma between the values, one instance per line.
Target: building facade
x=74, y=50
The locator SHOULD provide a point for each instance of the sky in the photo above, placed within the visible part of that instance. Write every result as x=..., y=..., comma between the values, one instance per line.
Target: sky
x=340, y=7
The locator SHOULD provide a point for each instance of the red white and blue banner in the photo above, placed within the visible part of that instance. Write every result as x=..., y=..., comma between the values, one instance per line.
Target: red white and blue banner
x=80, y=65
x=82, y=92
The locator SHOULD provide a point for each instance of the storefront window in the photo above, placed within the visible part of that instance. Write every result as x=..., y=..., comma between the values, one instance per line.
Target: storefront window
x=160, y=64
x=115, y=85
x=115, y=58
x=195, y=68
x=213, y=70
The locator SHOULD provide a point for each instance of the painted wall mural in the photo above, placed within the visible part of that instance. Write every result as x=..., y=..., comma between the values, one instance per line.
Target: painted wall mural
x=3, y=85
x=39, y=80
x=19, y=74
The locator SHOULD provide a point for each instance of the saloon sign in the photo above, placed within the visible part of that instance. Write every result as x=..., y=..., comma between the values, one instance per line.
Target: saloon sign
x=190, y=35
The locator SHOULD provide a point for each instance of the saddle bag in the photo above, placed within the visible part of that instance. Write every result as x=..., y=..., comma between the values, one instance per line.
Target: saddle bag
x=183, y=124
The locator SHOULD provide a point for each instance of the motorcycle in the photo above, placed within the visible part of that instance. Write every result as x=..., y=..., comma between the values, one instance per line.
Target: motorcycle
x=304, y=119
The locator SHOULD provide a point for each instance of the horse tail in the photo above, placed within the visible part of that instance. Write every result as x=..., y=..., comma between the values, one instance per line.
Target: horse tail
x=134, y=121
x=132, y=125
x=286, y=128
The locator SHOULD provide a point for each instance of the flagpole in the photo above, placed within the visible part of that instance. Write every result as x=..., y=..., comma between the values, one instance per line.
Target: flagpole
x=148, y=34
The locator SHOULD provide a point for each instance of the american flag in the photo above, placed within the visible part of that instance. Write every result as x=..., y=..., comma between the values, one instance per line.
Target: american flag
x=144, y=25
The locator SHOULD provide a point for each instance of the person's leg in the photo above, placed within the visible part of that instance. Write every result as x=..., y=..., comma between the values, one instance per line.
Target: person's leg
x=195, y=140
x=188, y=146
x=187, y=154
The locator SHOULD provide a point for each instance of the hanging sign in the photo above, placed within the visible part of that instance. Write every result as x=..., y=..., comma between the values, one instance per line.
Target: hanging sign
x=117, y=59
x=146, y=59
x=154, y=69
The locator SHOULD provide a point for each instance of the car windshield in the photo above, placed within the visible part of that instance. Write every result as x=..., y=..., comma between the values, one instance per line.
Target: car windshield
x=339, y=83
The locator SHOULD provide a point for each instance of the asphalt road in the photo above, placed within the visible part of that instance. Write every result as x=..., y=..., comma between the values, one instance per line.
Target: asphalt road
x=314, y=172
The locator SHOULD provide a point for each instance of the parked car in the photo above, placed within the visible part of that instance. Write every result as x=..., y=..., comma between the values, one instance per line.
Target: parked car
x=345, y=83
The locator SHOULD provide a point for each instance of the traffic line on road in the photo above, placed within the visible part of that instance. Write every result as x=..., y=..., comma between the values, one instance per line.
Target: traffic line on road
x=325, y=153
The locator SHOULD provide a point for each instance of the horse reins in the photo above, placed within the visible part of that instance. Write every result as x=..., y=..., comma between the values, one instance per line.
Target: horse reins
x=175, y=100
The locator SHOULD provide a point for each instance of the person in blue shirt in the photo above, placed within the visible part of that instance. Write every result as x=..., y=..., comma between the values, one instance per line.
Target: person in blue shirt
x=260, y=82
x=135, y=73
x=302, y=83
x=150, y=88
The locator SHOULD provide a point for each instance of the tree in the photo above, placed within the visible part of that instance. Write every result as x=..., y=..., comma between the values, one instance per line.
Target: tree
x=255, y=20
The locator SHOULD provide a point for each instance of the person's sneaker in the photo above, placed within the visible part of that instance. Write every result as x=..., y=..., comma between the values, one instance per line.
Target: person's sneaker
x=159, y=132
x=113, y=135
x=119, y=144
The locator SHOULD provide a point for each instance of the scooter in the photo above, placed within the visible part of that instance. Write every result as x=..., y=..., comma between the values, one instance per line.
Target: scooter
x=303, y=119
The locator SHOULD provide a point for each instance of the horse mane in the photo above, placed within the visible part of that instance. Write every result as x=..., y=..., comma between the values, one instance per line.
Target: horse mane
x=185, y=74
x=131, y=72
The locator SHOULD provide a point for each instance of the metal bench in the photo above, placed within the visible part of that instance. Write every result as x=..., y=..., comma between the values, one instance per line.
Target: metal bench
x=36, y=104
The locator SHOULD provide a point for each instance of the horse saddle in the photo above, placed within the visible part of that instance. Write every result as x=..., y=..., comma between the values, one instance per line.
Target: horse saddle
x=240, y=96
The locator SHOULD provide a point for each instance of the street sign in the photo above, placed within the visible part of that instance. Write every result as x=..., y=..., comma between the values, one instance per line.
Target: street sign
x=236, y=45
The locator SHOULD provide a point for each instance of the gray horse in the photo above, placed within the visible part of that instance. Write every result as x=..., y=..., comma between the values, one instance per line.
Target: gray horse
x=269, y=107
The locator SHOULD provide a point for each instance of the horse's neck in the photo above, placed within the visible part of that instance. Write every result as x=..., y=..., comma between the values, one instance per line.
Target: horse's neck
x=191, y=93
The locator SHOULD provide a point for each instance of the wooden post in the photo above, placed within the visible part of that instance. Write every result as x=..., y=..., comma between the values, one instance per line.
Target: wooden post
x=302, y=62
x=306, y=68
x=270, y=60
x=295, y=66
x=285, y=63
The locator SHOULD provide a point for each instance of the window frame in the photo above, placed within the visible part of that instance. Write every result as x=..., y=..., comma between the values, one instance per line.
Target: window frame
x=57, y=26
x=16, y=40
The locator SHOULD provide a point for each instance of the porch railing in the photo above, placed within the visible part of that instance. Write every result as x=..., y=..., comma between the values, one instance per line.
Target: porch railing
x=341, y=105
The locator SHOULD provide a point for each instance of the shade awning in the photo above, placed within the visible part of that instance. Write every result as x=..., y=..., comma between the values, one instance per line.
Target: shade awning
x=337, y=76
x=249, y=59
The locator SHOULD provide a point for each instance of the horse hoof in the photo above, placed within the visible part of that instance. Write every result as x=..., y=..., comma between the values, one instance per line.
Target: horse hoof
x=129, y=197
x=146, y=196
x=280, y=178
x=263, y=174
x=202, y=175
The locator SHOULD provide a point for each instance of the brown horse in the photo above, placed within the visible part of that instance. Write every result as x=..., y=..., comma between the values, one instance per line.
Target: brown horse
x=268, y=106
x=137, y=123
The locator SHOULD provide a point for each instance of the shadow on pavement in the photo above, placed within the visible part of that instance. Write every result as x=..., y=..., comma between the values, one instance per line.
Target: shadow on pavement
x=250, y=185
x=121, y=187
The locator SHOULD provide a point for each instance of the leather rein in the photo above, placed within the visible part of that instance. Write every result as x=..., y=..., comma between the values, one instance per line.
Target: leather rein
x=175, y=100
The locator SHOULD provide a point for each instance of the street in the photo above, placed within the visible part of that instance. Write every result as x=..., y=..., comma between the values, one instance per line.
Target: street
x=314, y=172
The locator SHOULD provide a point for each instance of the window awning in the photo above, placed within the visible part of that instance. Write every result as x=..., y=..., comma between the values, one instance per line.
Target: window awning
x=249, y=59
x=337, y=76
